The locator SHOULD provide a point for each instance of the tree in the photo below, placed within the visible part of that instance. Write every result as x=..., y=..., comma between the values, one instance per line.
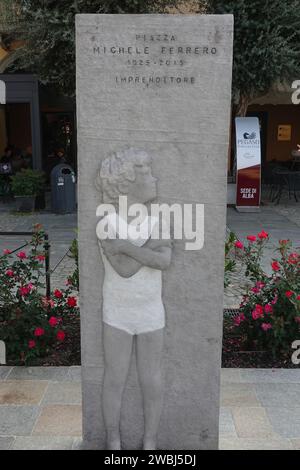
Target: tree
x=266, y=45
x=49, y=35
x=9, y=14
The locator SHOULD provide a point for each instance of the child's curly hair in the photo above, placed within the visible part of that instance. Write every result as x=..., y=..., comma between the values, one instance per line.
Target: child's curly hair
x=118, y=170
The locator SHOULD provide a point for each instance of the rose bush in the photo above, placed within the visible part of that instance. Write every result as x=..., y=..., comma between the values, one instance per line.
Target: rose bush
x=270, y=309
x=31, y=323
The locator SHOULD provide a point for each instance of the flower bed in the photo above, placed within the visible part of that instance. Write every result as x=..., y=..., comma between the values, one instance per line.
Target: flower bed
x=269, y=318
x=32, y=325
x=236, y=354
x=40, y=330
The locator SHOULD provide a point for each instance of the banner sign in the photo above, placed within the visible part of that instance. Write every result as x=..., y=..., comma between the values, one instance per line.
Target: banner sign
x=248, y=158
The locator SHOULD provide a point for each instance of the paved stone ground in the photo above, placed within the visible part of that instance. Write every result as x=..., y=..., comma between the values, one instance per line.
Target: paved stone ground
x=40, y=408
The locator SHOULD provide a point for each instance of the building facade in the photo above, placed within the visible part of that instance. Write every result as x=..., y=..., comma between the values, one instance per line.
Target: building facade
x=34, y=119
x=280, y=124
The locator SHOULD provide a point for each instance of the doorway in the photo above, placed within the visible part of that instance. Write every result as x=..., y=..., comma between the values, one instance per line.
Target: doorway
x=15, y=127
x=58, y=139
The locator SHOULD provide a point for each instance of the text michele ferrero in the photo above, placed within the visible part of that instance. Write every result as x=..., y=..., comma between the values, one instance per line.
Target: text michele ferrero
x=155, y=51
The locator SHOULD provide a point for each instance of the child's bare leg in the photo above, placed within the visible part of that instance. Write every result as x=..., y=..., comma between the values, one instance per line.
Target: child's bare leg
x=117, y=352
x=149, y=355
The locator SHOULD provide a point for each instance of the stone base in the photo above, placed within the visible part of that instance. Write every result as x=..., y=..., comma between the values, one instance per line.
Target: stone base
x=247, y=209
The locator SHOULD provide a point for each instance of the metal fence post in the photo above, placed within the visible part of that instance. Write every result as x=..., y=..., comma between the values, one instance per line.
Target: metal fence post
x=47, y=265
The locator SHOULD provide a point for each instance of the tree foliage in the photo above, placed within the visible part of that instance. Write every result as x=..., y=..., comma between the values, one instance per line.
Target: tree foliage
x=49, y=35
x=266, y=39
x=266, y=45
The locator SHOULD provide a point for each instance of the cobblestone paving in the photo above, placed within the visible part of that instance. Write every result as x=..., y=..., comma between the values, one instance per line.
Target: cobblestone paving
x=40, y=408
x=291, y=212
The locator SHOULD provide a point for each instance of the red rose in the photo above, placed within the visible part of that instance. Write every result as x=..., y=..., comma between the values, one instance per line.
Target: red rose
x=60, y=335
x=255, y=315
x=293, y=258
x=39, y=332
x=72, y=301
x=263, y=235
x=239, y=319
x=268, y=308
x=289, y=294
x=255, y=290
x=298, y=297
x=58, y=294
x=23, y=291
x=31, y=344
x=7, y=252
x=251, y=238
x=275, y=266
x=266, y=326
x=41, y=257
x=9, y=273
x=258, y=286
x=239, y=245
x=275, y=300
x=259, y=309
x=258, y=312
x=48, y=302
x=22, y=255
x=53, y=321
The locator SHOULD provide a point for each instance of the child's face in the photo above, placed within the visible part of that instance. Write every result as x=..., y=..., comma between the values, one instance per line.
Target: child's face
x=143, y=189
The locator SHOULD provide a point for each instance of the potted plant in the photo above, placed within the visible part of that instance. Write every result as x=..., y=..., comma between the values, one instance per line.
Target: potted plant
x=26, y=185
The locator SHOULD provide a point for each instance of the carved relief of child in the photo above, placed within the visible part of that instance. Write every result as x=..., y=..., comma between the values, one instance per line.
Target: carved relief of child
x=132, y=293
